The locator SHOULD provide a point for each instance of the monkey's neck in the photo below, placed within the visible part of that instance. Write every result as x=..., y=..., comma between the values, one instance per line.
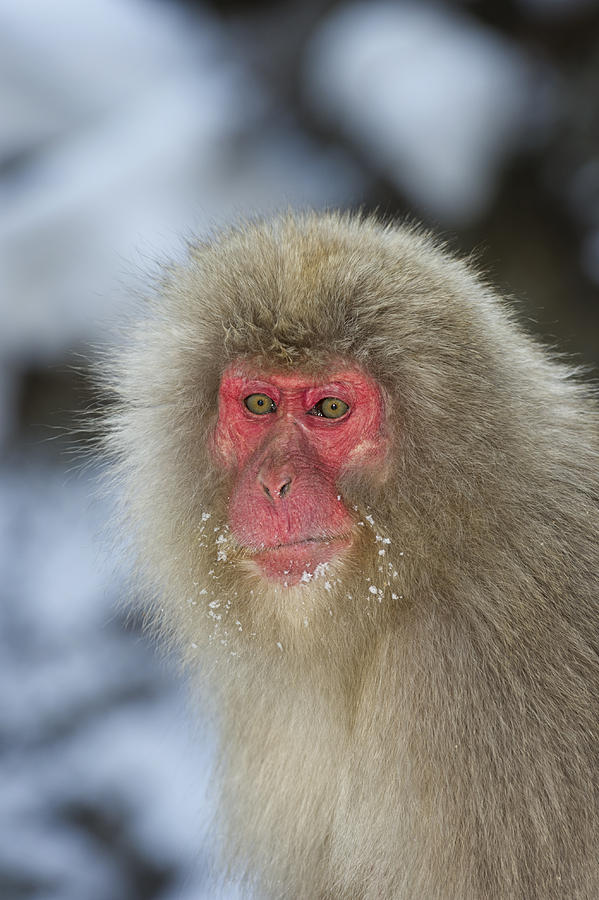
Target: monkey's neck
x=285, y=691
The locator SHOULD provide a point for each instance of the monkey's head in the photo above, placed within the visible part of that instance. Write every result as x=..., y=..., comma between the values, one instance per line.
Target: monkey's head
x=312, y=422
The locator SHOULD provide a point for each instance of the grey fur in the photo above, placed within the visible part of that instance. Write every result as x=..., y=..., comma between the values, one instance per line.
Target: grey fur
x=436, y=738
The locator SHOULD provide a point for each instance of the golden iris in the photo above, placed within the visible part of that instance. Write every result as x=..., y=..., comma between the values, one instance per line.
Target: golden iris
x=259, y=404
x=330, y=408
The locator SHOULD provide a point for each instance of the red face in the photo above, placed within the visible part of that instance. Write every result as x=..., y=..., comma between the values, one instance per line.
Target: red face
x=288, y=438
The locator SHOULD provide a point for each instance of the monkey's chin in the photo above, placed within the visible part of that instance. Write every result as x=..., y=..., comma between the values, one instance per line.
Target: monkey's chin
x=293, y=564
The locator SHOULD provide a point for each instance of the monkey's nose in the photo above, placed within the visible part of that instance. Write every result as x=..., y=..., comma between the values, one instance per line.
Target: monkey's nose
x=275, y=485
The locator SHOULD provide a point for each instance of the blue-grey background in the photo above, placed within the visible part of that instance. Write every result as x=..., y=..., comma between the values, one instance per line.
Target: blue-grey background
x=125, y=127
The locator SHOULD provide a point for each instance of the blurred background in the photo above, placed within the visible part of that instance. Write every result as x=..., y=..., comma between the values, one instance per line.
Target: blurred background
x=127, y=126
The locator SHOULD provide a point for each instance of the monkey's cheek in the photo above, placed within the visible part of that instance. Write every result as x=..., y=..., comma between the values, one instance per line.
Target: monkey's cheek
x=302, y=562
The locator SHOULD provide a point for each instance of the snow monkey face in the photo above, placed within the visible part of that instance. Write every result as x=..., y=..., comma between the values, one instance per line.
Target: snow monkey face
x=287, y=438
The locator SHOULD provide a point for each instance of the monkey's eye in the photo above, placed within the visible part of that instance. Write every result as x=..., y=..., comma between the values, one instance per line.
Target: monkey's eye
x=329, y=408
x=259, y=404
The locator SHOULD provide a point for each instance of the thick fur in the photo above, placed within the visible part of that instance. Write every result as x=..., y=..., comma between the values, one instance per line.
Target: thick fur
x=421, y=722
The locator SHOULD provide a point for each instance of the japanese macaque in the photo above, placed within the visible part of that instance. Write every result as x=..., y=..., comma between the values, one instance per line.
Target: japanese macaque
x=366, y=508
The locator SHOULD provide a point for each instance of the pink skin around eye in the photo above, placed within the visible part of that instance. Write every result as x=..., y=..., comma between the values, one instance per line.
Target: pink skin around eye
x=285, y=508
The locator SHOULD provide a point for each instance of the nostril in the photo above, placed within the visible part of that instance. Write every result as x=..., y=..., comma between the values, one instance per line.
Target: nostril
x=276, y=488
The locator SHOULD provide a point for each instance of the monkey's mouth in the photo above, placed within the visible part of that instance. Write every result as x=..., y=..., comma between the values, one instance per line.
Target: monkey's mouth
x=300, y=543
x=300, y=561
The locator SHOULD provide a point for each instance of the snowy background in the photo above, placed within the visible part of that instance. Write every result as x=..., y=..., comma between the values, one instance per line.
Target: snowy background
x=125, y=126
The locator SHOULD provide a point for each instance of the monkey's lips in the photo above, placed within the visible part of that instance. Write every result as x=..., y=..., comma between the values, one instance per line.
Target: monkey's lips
x=299, y=561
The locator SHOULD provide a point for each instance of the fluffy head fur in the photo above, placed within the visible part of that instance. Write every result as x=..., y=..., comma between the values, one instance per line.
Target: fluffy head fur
x=419, y=722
